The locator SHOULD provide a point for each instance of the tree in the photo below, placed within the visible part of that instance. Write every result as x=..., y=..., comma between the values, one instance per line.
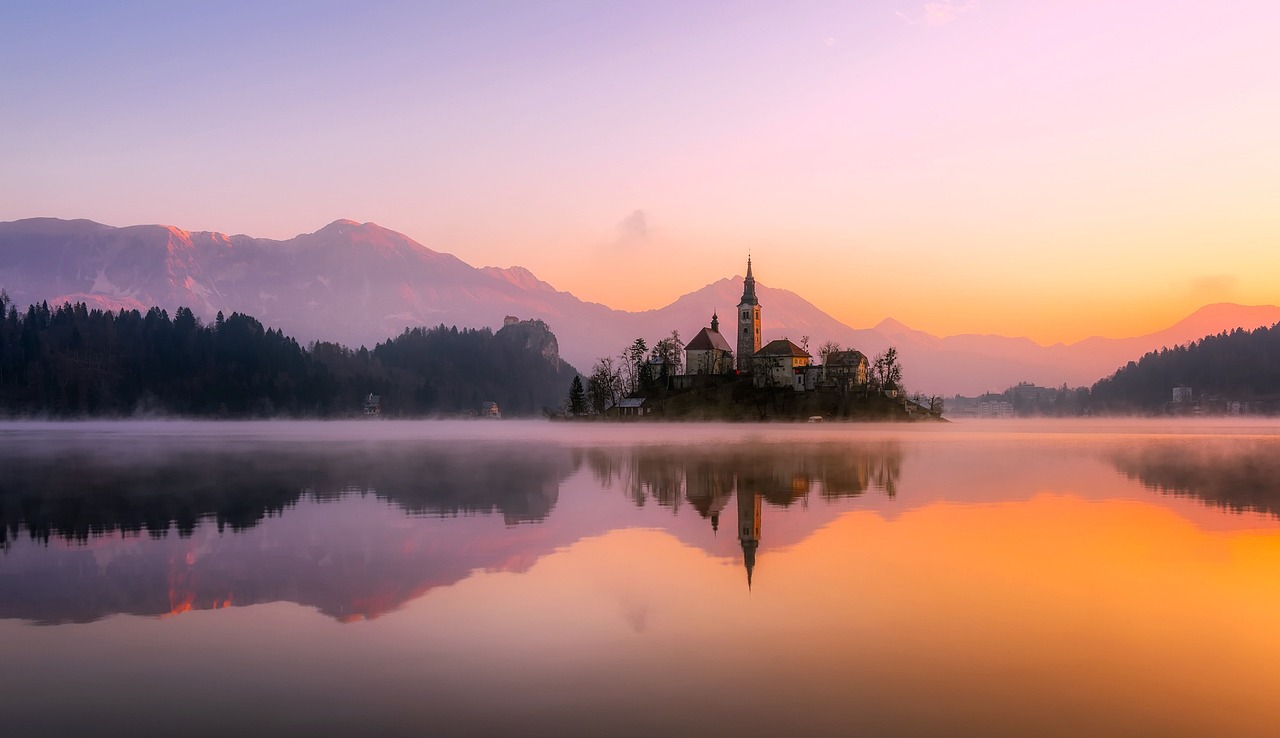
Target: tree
x=633, y=361
x=886, y=373
x=671, y=351
x=604, y=385
x=577, y=397
x=828, y=348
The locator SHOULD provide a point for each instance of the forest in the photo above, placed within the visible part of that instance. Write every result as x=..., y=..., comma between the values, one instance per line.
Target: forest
x=1240, y=366
x=70, y=361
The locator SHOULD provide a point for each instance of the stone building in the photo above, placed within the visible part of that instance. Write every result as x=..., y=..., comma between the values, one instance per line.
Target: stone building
x=708, y=352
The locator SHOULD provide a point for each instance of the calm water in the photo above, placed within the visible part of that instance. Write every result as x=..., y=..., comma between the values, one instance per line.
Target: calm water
x=497, y=578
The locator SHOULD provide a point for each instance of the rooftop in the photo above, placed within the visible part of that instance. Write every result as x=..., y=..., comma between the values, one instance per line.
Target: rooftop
x=781, y=347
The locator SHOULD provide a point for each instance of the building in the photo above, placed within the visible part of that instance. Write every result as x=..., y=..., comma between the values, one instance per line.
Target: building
x=748, y=322
x=845, y=370
x=781, y=363
x=708, y=352
x=632, y=407
x=373, y=404
x=490, y=410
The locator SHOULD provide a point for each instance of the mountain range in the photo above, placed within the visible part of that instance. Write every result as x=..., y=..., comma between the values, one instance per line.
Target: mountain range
x=360, y=283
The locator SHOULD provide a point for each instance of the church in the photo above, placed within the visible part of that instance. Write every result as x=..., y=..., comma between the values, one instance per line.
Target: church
x=779, y=364
x=710, y=353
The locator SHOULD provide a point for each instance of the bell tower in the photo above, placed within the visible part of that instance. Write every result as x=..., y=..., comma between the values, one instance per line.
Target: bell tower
x=748, y=322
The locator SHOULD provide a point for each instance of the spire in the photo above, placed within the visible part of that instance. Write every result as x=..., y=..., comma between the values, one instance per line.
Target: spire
x=749, y=287
x=715, y=322
x=749, y=559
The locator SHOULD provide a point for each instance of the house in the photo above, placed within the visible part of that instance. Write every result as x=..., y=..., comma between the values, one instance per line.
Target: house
x=659, y=372
x=490, y=410
x=629, y=407
x=373, y=404
x=845, y=370
x=780, y=363
x=708, y=352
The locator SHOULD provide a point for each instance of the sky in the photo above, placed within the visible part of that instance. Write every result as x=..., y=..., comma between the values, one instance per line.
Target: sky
x=1045, y=169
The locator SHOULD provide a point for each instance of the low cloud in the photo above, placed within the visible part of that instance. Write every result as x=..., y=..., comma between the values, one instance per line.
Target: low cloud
x=1214, y=287
x=634, y=228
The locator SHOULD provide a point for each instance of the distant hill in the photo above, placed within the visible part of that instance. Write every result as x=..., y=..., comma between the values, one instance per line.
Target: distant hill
x=360, y=283
x=1239, y=366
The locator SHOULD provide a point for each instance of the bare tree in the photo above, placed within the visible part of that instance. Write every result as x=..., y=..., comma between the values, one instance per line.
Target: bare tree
x=886, y=372
x=604, y=385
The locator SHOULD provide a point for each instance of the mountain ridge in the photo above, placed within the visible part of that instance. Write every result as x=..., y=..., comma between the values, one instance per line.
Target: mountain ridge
x=361, y=283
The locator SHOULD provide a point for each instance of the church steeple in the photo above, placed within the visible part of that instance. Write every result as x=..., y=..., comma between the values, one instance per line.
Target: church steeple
x=715, y=321
x=749, y=287
x=748, y=321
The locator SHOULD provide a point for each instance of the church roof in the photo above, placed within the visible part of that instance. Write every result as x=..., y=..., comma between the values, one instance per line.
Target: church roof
x=781, y=347
x=708, y=339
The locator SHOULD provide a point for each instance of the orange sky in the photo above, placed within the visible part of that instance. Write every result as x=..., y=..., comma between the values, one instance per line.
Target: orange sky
x=986, y=166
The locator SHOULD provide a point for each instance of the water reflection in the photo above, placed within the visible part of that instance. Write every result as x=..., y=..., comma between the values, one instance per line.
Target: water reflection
x=782, y=473
x=176, y=529
x=754, y=473
x=358, y=529
x=1240, y=476
x=92, y=493
x=871, y=582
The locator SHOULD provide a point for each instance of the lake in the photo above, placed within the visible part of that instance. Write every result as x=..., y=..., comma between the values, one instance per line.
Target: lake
x=529, y=578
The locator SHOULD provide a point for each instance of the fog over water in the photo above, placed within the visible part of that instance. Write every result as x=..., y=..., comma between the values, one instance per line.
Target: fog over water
x=489, y=577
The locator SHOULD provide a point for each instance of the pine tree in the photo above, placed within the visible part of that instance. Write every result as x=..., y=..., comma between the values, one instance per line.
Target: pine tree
x=577, y=397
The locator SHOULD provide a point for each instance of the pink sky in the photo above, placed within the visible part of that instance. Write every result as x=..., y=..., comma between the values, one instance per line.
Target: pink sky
x=1044, y=169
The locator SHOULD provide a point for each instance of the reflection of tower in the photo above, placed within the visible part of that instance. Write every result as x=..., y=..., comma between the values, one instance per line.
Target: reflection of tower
x=748, y=322
x=749, y=529
x=708, y=490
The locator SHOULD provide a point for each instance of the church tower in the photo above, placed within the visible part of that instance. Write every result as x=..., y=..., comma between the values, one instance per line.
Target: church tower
x=748, y=322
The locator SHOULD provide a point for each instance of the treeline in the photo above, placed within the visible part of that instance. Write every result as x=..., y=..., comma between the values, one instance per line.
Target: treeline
x=71, y=361
x=1236, y=366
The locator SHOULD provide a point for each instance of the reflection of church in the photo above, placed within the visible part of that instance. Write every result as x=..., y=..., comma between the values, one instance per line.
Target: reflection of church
x=710, y=492
x=749, y=508
x=753, y=475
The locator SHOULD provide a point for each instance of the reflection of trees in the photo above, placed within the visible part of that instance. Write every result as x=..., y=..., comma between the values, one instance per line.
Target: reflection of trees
x=781, y=474
x=1236, y=479
x=79, y=495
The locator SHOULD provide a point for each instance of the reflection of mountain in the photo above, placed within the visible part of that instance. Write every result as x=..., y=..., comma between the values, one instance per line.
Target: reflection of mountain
x=86, y=494
x=308, y=526
x=1237, y=478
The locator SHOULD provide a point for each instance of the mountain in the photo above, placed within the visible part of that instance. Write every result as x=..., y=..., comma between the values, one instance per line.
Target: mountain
x=360, y=283
x=348, y=282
